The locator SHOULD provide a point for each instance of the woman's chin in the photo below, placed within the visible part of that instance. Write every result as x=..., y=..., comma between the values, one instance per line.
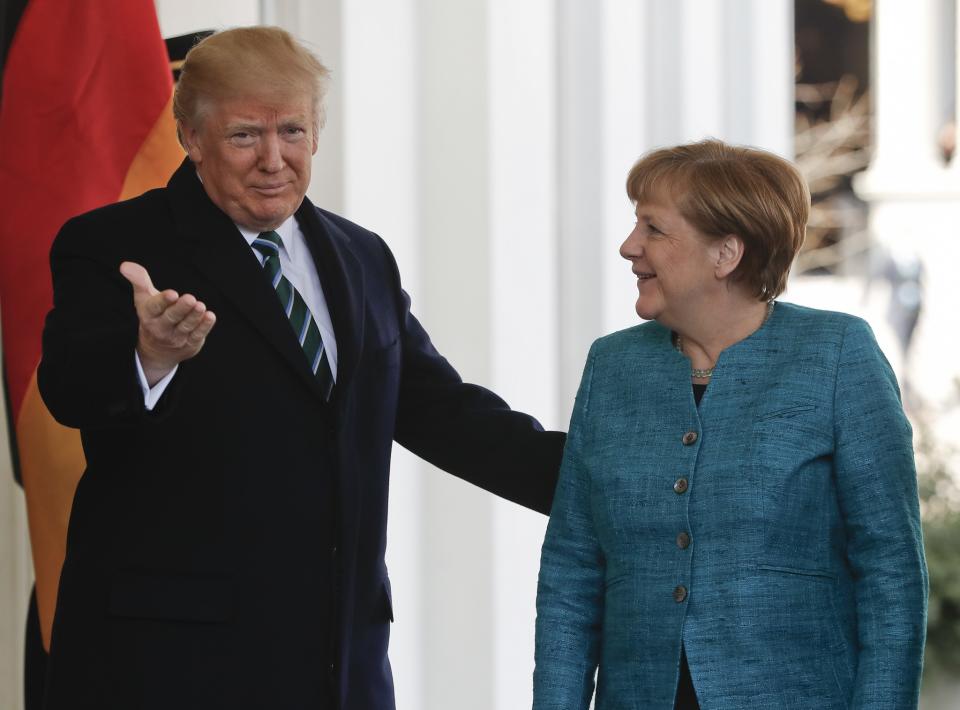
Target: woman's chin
x=645, y=311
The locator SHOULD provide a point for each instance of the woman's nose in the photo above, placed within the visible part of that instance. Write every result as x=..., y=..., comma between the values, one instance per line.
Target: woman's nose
x=632, y=246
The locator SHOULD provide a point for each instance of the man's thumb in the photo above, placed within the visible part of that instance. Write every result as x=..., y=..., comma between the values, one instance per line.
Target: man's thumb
x=138, y=277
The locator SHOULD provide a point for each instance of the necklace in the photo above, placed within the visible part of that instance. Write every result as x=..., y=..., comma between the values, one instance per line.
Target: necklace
x=706, y=373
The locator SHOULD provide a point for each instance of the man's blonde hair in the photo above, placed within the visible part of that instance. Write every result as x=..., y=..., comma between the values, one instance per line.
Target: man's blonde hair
x=261, y=62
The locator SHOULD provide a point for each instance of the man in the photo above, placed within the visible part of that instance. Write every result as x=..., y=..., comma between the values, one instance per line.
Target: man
x=226, y=545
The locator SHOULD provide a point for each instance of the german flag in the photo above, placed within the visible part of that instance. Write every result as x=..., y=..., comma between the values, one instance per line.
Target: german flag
x=85, y=120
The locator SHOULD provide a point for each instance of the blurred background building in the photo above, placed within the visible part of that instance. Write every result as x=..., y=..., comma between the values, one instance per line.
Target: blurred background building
x=488, y=142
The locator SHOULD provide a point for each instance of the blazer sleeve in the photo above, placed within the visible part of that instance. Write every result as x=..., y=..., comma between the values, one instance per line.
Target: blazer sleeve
x=570, y=591
x=877, y=489
x=87, y=375
x=466, y=429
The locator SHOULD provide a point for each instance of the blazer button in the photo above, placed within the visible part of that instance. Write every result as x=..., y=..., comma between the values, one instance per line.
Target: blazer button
x=683, y=540
x=679, y=594
x=689, y=438
x=680, y=486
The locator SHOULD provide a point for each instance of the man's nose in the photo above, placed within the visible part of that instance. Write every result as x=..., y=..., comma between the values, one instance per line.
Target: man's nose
x=271, y=159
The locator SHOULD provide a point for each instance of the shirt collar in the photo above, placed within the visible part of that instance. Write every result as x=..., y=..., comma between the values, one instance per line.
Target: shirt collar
x=285, y=230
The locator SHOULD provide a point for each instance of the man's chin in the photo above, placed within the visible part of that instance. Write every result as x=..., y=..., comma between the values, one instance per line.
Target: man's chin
x=265, y=219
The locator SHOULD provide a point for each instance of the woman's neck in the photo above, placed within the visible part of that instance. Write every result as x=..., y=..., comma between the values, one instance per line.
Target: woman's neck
x=714, y=329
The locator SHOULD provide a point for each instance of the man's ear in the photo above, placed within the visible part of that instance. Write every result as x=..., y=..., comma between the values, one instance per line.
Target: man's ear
x=729, y=253
x=190, y=138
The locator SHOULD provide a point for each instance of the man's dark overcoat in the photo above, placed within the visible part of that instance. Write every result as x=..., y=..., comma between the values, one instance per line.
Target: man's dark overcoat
x=226, y=550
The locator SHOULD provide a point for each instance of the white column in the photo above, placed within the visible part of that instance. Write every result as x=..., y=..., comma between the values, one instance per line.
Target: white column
x=703, y=80
x=523, y=295
x=904, y=94
x=628, y=111
x=771, y=78
x=580, y=162
x=456, y=309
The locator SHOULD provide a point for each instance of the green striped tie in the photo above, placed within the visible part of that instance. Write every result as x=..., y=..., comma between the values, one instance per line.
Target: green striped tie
x=304, y=326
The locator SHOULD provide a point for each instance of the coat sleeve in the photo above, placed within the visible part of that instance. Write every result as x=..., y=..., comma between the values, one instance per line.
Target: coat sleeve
x=466, y=429
x=570, y=591
x=877, y=489
x=87, y=375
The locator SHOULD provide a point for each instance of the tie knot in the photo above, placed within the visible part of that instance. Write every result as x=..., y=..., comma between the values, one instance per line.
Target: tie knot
x=268, y=243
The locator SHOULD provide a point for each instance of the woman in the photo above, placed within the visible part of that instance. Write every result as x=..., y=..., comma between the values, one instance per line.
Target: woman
x=737, y=517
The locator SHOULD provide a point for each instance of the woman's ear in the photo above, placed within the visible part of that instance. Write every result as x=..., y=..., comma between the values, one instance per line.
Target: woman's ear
x=729, y=253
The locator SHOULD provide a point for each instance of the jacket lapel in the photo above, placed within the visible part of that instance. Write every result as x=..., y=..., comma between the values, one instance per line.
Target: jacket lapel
x=342, y=281
x=215, y=247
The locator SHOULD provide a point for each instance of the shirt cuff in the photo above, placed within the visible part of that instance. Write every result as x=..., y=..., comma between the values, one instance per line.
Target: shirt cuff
x=151, y=395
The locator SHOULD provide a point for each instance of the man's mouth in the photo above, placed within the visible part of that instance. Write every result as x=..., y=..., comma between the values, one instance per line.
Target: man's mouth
x=645, y=275
x=270, y=189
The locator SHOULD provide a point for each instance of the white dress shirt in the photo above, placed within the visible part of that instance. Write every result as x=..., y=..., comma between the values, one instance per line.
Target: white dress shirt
x=296, y=263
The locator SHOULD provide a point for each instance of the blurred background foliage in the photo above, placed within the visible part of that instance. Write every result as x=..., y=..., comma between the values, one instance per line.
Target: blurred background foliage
x=940, y=507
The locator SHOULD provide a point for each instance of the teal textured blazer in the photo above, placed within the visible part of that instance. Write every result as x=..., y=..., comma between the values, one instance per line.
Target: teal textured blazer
x=774, y=531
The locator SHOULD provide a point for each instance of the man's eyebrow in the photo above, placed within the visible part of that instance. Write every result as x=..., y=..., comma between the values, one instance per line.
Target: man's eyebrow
x=243, y=126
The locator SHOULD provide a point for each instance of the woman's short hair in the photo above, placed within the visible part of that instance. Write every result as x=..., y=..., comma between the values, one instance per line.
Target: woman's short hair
x=723, y=189
x=262, y=62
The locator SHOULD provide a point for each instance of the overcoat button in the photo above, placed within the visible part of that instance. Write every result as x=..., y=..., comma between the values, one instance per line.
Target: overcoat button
x=680, y=486
x=683, y=540
x=689, y=438
x=680, y=593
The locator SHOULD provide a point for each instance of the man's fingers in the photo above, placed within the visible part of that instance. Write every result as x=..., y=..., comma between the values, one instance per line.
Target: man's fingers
x=203, y=329
x=192, y=319
x=172, y=327
x=167, y=316
x=180, y=309
x=155, y=305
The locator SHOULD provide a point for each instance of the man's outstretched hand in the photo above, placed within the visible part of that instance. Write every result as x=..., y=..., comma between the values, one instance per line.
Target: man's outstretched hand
x=173, y=328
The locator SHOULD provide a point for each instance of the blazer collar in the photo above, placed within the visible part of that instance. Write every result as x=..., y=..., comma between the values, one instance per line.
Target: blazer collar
x=216, y=248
